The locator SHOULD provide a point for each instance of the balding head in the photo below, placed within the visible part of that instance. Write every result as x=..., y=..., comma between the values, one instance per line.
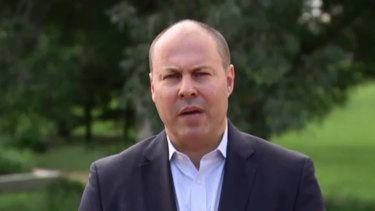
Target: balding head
x=193, y=26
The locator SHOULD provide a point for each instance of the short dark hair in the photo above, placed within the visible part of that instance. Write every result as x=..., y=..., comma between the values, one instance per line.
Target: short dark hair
x=221, y=43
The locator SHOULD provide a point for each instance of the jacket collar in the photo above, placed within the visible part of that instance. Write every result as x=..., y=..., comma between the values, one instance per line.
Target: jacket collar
x=239, y=173
x=158, y=190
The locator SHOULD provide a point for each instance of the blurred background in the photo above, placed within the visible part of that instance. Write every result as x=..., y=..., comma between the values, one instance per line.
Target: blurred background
x=74, y=87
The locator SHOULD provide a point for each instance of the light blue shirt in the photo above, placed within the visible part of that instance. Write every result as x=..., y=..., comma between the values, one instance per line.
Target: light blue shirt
x=198, y=190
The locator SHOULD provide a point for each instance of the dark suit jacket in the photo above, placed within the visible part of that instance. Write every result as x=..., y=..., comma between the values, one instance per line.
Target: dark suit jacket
x=258, y=176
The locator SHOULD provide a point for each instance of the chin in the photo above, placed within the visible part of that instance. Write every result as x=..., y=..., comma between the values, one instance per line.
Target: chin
x=193, y=132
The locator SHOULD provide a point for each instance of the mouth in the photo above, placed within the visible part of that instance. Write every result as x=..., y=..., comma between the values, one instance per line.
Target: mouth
x=190, y=110
x=190, y=113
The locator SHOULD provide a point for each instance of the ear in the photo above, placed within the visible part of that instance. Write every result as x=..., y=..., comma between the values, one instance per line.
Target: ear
x=151, y=85
x=230, y=73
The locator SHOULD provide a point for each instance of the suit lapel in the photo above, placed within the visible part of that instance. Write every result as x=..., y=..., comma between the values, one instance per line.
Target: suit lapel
x=239, y=172
x=156, y=175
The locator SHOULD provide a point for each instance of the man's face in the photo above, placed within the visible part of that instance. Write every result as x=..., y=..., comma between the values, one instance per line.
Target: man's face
x=189, y=85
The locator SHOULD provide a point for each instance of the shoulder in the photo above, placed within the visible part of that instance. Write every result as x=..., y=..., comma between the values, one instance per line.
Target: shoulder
x=280, y=172
x=129, y=158
x=267, y=147
x=265, y=151
x=275, y=162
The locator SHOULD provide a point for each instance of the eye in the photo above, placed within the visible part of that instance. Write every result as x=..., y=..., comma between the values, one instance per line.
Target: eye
x=171, y=76
x=201, y=74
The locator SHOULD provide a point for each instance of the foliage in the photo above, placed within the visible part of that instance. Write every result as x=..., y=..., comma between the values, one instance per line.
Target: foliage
x=61, y=195
x=51, y=65
x=28, y=131
x=15, y=161
x=64, y=192
x=294, y=61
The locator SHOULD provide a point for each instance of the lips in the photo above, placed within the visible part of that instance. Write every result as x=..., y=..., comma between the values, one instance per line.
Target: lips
x=190, y=110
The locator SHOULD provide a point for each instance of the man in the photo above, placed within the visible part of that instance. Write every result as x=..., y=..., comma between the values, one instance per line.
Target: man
x=200, y=162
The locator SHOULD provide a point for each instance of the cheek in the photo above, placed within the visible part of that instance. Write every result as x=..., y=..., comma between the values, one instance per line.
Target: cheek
x=216, y=93
x=217, y=99
x=164, y=99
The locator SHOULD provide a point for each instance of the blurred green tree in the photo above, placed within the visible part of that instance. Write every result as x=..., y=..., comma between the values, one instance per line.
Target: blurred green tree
x=58, y=57
x=295, y=60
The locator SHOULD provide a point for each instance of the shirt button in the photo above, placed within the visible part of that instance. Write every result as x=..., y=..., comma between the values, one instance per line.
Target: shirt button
x=199, y=181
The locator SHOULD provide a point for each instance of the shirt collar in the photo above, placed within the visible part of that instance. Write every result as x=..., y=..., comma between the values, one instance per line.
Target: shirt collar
x=222, y=147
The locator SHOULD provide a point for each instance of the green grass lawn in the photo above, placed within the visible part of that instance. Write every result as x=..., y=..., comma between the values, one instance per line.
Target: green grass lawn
x=342, y=146
x=62, y=195
x=77, y=156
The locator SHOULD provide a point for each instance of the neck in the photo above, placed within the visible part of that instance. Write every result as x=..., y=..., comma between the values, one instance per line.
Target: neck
x=196, y=156
x=196, y=147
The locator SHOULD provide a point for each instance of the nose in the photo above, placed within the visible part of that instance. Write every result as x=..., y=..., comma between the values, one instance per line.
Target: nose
x=187, y=88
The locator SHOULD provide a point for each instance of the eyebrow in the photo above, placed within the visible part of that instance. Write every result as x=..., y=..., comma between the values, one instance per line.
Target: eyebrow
x=195, y=68
x=170, y=69
x=167, y=70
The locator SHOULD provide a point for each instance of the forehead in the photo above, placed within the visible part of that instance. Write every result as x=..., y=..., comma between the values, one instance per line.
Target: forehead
x=180, y=31
x=185, y=39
